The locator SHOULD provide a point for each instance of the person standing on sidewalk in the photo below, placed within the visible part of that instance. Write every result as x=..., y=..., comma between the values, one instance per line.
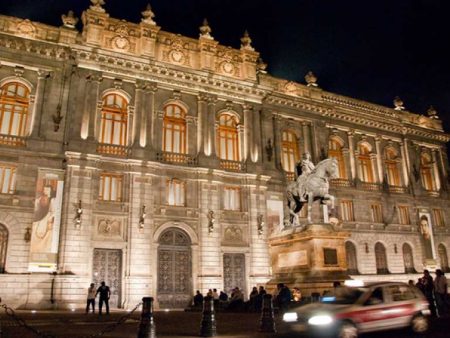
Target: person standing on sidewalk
x=91, y=298
x=105, y=293
x=440, y=292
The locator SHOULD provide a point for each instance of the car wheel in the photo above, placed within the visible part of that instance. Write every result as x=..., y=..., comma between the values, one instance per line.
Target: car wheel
x=419, y=324
x=348, y=330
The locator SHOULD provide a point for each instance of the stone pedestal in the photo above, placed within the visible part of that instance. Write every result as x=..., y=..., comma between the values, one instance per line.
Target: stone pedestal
x=310, y=259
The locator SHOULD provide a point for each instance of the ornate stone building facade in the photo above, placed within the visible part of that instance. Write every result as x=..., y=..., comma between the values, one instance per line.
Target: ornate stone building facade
x=159, y=162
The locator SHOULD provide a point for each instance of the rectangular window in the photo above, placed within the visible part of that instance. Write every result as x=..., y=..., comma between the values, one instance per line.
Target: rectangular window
x=347, y=210
x=110, y=187
x=7, y=179
x=438, y=216
x=403, y=214
x=175, y=192
x=232, y=198
x=377, y=213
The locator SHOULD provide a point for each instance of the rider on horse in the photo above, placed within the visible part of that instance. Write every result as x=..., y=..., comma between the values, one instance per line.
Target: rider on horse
x=303, y=169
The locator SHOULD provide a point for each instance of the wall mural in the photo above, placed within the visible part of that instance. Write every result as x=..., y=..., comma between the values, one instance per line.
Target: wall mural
x=46, y=222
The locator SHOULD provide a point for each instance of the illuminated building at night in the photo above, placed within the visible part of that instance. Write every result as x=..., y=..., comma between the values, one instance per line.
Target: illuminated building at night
x=158, y=163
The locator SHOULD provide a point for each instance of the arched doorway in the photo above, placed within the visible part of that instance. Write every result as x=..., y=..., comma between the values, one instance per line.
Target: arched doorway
x=408, y=259
x=352, y=263
x=3, y=245
x=174, y=269
x=380, y=259
x=442, y=251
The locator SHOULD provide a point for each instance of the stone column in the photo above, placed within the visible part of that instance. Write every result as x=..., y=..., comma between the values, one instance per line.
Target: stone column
x=93, y=102
x=306, y=138
x=437, y=177
x=248, y=131
x=379, y=159
x=405, y=162
x=210, y=148
x=277, y=141
x=150, y=113
x=35, y=127
x=257, y=147
x=139, y=119
x=85, y=118
x=202, y=109
x=351, y=152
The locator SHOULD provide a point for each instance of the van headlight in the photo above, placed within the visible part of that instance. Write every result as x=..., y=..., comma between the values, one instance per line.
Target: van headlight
x=290, y=317
x=320, y=320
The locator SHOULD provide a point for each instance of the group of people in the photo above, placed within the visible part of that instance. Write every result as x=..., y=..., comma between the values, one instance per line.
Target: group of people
x=233, y=302
x=435, y=291
x=104, y=292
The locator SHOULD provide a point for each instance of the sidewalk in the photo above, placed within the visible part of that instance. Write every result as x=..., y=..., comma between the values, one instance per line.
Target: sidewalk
x=168, y=324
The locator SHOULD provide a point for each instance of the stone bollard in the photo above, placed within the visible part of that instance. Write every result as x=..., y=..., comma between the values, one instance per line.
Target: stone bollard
x=147, y=326
x=267, y=323
x=208, y=325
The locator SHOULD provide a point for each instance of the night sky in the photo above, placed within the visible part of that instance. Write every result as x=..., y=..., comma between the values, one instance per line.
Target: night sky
x=370, y=50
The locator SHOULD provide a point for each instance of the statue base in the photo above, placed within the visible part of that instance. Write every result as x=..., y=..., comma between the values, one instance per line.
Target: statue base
x=311, y=258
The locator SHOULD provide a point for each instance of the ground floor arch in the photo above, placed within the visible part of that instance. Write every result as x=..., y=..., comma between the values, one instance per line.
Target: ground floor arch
x=174, y=269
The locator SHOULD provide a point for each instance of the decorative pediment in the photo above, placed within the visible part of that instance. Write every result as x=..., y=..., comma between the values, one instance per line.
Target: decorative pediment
x=26, y=29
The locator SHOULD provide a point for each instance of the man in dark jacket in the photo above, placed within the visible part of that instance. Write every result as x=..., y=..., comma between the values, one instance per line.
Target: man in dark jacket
x=105, y=293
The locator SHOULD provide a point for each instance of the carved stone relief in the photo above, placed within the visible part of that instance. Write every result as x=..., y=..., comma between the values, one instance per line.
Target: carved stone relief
x=109, y=227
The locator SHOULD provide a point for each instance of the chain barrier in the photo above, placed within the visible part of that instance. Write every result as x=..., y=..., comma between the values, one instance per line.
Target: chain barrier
x=111, y=327
x=21, y=322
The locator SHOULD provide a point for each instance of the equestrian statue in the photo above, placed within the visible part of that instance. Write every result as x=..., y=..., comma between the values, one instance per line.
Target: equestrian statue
x=311, y=184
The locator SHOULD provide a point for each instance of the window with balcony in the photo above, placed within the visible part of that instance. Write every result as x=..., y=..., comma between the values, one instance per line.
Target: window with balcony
x=365, y=164
x=14, y=104
x=347, y=211
x=380, y=259
x=408, y=259
x=438, y=216
x=228, y=137
x=391, y=166
x=110, y=187
x=289, y=151
x=114, y=120
x=7, y=179
x=232, y=198
x=376, y=212
x=335, y=151
x=426, y=172
x=403, y=214
x=176, y=192
x=174, y=129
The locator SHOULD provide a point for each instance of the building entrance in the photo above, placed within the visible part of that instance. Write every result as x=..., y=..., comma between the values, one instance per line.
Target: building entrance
x=107, y=267
x=233, y=272
x=174, y=269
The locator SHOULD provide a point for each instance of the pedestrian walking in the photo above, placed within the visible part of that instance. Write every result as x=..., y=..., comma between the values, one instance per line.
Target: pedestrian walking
x=105, y=293
x=91, y=298
x=440, y=292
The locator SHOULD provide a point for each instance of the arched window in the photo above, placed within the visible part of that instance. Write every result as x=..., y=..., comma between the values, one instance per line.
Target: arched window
x=335, y=151
x=365, y=164
x=174, y=129
x=426, y=172
x=227, y=137
x=289, y=149
x=114, y=120
x=390, y=162
x=408, y=259
x=352, y=263
x=3, y=245
x=443, y=258
x=380, y=259
x=14, y=103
